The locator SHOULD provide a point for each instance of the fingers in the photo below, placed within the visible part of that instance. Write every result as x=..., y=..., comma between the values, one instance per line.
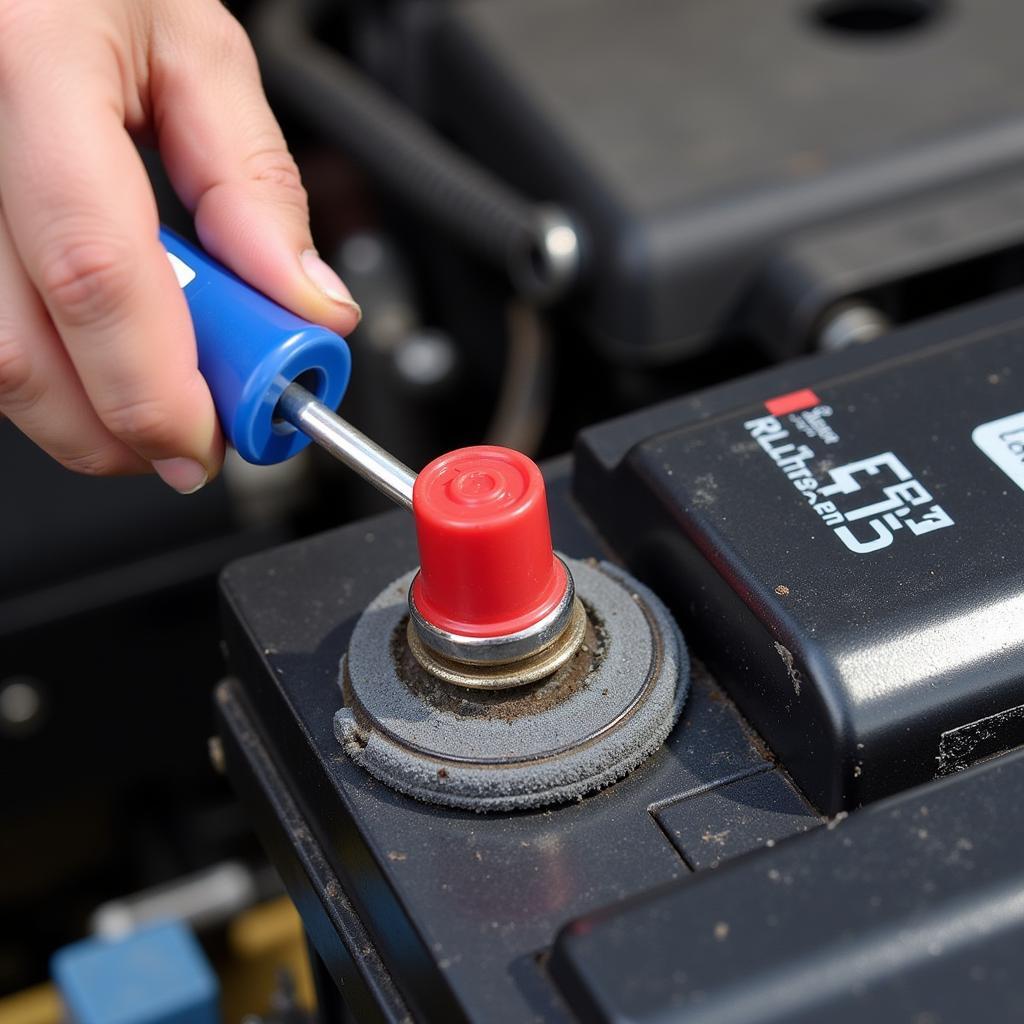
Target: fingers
x=229, y=162
x=39, y=389
x=83, y=220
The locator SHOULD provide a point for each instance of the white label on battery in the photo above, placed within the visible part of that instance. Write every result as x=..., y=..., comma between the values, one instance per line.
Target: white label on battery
x=1003, y=442
x=182, y=271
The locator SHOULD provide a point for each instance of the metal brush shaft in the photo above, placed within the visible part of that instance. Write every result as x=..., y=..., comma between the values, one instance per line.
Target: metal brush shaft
x=306, y=413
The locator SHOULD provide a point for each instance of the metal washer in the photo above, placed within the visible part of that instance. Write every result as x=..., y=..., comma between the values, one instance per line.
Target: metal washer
x=432, y=643
x=484, y=757
x=504, y=675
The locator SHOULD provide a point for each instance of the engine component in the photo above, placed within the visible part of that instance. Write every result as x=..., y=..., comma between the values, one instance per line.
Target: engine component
x=536, y=244
x=734, y=167
x=156, y=975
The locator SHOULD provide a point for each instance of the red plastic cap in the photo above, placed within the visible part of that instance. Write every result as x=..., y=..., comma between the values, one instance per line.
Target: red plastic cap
x=486, y=563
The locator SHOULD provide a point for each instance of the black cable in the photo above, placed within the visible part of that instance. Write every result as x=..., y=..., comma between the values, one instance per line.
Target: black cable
x=536, y=245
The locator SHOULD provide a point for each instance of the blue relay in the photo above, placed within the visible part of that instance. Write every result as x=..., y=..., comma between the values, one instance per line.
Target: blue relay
x=156, y=975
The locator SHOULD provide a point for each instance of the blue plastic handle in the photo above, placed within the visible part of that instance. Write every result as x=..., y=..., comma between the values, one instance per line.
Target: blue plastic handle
x=250, y=350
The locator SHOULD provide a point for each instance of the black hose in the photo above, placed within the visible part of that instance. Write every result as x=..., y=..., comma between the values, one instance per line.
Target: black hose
x=536, y=245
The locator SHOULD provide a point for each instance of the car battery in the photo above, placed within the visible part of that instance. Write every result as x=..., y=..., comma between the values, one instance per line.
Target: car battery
x=428, y=912
x=838, y=538
x=835, y=540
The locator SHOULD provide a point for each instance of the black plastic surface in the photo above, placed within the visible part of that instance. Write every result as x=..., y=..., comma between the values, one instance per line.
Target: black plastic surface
x=59, y=525
x=911, y=910
x=719, y=824
x=708, y=146
x=459, y=905
x=724, y=899
x=868, y=666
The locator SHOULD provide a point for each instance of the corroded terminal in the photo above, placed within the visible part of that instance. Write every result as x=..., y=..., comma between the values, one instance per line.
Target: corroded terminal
x=579, y=727
x=499, y=675
x=503, y=664
x=490, y=590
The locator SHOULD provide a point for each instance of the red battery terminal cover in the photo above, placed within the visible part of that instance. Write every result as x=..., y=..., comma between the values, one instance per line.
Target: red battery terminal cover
x=487, y=568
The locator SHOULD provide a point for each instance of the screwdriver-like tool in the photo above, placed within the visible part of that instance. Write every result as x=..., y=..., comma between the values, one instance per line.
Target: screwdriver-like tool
x=492, y=605
x=347, y=444
x=274, y=377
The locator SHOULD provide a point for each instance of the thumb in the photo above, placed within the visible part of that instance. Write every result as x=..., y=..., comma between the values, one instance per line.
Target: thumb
x=228, y=160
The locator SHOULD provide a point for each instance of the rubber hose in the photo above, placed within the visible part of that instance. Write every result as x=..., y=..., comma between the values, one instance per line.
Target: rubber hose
x=406, y=155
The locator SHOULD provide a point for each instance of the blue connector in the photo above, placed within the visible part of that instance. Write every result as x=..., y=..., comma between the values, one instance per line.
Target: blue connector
x=157, y=975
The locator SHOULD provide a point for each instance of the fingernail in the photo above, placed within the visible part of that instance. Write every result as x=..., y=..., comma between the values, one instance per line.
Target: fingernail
x=325, y=278
x=186, y=476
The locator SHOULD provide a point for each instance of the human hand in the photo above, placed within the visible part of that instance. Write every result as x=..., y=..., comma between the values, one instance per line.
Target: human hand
x=97, y=357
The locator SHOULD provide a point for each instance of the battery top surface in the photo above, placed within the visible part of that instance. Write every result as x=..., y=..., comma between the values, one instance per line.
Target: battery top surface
x=848, y=550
